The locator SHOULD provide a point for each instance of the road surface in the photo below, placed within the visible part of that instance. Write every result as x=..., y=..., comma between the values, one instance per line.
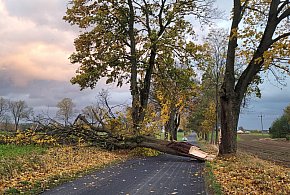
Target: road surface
x=164, y=174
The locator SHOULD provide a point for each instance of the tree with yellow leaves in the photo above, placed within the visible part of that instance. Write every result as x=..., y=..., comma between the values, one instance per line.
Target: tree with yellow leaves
x=260, y=34
x=173, y=90
x=209, y=115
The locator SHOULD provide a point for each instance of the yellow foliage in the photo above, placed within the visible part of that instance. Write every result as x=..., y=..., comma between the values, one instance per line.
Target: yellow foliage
x=245, y=174
x=152, y=123
x=29, y=137
x=144, y=152
x=209, y=116
x=58, y=162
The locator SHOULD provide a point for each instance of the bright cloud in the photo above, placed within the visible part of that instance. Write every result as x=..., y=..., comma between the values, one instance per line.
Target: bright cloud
x=31, y=51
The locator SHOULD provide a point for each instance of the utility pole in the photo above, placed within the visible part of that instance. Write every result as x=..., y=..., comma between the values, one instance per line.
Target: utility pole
x=261, y=116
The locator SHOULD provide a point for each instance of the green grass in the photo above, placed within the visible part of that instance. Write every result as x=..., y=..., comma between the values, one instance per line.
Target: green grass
x=180, y=135
x=213, y=187
x=6, y=132
x=18, y=150
x=261, y=134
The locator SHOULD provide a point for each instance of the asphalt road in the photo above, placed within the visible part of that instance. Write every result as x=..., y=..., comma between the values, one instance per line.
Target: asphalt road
x=164, y=174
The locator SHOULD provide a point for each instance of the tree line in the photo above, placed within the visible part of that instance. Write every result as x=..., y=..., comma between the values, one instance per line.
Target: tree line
x=280, y=128
x=19, y=114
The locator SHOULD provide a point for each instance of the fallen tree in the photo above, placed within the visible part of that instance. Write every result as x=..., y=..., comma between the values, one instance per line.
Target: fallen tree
x=82, y=130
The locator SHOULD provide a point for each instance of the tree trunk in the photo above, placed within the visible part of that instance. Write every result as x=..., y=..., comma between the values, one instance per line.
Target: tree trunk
x=206, y=136
x=133, y=80
x=230, y=110
x=166, y=134
x=217, y=108
x=169, y=124
x=172, y=124
x=16, y=122
x=176, y=125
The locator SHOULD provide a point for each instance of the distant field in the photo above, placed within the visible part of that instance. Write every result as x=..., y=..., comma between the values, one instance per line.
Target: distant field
x=18, y=150
x=263, y=147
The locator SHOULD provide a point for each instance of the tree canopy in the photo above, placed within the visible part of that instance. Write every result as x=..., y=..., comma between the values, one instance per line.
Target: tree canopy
x=123, y=40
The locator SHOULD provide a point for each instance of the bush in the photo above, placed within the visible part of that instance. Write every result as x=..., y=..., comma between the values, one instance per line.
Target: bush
x=280, y=128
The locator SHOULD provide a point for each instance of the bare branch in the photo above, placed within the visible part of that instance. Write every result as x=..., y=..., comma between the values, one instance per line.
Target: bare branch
x=282, y=6
x=285, y=14
x=280, y=37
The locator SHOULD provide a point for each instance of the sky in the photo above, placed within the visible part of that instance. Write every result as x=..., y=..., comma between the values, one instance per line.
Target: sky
x=34, y=49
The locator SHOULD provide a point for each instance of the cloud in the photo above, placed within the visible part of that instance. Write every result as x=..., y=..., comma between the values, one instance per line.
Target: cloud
x=271, y=105
x=40, y=12
x=32, y=47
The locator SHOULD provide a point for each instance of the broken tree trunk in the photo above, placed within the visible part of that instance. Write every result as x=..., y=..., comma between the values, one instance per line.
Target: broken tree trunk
x=105, y=138
x=172, y=147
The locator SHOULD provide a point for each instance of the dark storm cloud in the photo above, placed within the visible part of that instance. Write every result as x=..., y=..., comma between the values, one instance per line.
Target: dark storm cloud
x=270, y=106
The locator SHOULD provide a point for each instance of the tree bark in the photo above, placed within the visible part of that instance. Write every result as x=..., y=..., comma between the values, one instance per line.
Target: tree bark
x=230, y=110
x=169, y=147
x=229, y=114
x=135, y=93
x=176, y=125
x=169, y=126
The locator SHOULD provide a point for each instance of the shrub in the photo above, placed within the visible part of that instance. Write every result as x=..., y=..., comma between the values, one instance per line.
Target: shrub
x=280, y=128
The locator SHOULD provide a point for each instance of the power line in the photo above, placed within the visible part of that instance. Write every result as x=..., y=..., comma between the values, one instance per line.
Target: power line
x=261, y=116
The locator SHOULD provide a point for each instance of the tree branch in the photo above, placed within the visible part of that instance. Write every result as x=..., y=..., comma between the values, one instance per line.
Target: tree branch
x=147, y=17
x=282, y=6
x=285, y=14
x=160, y=14
x=280, y=37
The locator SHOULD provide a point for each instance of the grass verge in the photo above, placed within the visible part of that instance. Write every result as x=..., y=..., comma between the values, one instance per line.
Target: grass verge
x=35, y=172
x=246, y=174
x=213, y=187
x=12, y=150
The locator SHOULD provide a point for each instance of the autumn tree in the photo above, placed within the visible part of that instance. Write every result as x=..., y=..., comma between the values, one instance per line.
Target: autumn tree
x=19, y=110
x=209, y=115
x=213, y=72
x=3, y=107
x=174, y=87
x=203, y=113
x=65, y=110
x=260, y=34
x=122, y=40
